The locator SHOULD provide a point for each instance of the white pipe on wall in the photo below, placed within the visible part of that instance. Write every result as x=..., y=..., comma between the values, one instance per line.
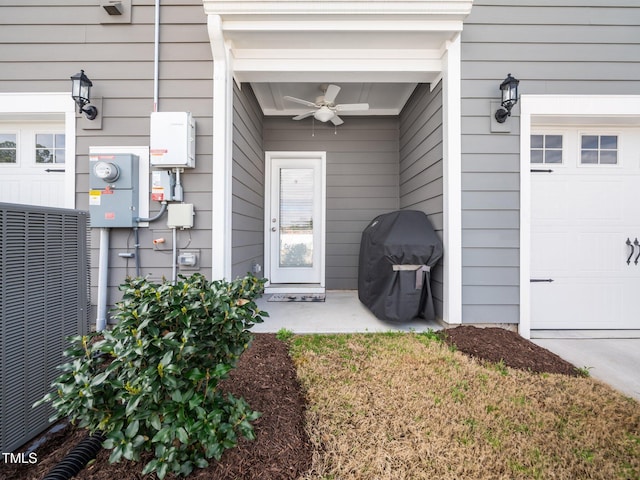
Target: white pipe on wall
x=156, y=56
x=103, y=280
x=174, y=255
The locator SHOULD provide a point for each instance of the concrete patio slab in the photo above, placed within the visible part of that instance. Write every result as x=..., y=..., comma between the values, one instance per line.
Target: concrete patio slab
x=341, y=312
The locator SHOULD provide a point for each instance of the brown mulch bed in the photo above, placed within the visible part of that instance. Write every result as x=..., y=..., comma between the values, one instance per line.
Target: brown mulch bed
x=266, y=378
x=500, y=345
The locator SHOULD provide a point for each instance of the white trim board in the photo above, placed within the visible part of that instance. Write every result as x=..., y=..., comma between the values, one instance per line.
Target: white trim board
x=452, y=179
x=560, y=109
x=221, y=193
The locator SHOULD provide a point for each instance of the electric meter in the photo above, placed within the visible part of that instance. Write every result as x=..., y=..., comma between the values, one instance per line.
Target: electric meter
x=106, y=171
x=113, y=190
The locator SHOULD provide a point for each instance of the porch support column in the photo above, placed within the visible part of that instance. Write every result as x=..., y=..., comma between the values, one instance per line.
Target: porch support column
x=452, y=173
x=222, y=149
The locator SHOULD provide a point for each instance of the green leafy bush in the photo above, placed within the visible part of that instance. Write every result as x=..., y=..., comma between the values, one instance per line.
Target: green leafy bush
x=151, y=383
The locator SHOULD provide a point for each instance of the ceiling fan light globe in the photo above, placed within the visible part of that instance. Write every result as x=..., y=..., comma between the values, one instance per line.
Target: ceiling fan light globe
x=324, y=114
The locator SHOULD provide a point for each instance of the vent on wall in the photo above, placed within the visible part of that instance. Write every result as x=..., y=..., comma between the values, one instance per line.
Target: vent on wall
x=44, y=298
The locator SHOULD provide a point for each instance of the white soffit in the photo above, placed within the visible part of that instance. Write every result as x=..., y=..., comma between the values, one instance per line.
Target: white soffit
x=377, y=51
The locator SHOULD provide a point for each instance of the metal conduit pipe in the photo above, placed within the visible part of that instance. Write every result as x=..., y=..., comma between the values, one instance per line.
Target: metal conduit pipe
x=163, y=208
x=77, y=459
x=103, y=280
x=156, y=55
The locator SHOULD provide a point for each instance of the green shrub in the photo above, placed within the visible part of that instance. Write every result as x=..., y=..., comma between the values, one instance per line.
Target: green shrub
x=151, y=383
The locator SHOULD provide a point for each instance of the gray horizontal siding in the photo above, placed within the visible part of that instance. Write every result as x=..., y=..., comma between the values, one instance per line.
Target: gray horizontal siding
x=248, y=183
x=362, y=180
x=46, y=44
x=552, y=47
x=421, y=185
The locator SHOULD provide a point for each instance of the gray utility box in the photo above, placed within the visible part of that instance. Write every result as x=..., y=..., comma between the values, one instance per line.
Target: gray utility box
x=172, y=140
x=113, y=194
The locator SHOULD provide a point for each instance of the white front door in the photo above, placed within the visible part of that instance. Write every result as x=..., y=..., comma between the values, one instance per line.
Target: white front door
x=294, y=223
x=585, y=224
x=32, y=163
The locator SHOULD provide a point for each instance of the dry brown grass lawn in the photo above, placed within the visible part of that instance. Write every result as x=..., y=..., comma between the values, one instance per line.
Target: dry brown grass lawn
x=404, y=406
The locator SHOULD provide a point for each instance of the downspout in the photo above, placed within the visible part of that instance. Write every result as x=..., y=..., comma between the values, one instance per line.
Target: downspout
x=156, y=56
x=103, y=268
x=103, y=280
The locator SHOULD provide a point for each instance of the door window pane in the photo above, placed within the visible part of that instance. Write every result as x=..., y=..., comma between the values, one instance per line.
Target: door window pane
x=296, y=217
x=546, y=148
x=50, y=148
x=599, y=149
x=8, y=148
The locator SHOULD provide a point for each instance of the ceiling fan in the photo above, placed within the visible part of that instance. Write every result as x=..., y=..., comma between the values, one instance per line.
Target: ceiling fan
x=324, y=107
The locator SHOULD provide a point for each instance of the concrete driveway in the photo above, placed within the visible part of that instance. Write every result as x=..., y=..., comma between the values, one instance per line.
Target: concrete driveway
x=614, y=361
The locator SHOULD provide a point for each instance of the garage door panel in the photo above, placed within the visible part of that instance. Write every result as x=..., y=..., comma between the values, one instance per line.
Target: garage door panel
x=591, y=303
x=10, y=191
x=31, y=179
x=550, y=253
x=597, y=200
x=599, y=253
x=581, y=219
x=548, y=200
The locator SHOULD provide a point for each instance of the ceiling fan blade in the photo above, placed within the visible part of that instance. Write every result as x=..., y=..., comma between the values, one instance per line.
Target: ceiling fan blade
x=352, y=107
x=304, y=115
x=300, y=101
x=331, y=93
x=336, y=120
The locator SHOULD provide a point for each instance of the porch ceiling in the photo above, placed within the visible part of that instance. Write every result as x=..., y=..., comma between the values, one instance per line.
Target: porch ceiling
x=377, y=51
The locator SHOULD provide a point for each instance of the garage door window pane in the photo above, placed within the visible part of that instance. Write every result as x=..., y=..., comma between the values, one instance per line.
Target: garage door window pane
x=589, y=157
x=8, y=148
x=537, y=141
x=609, y=142
x=599, y=150
x=608, y=158
x=537, y=156
x=546, y=149
x=590, y=141
x=50, y=148
x=553, y=156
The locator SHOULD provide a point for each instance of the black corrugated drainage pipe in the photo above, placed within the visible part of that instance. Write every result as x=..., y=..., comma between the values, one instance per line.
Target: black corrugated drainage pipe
x=77, y=459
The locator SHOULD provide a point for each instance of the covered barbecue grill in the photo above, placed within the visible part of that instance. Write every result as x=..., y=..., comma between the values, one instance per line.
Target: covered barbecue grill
x=397, y=252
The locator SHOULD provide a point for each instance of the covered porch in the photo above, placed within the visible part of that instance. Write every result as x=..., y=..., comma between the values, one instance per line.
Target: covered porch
x=403, y=152
x=341, y=312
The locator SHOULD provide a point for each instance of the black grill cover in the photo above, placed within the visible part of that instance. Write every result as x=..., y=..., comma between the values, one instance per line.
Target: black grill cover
x=397, y=251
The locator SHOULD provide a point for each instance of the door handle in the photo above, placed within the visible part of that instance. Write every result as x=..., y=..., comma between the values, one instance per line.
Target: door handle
x=273, y=229
x=628, y=242
x=637, y=244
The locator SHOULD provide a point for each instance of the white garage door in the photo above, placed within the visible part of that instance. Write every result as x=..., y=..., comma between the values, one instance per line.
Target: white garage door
x=585, y=224
x=32, y=163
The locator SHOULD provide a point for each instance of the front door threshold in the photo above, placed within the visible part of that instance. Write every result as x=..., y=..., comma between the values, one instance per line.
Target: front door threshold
x=294, y=288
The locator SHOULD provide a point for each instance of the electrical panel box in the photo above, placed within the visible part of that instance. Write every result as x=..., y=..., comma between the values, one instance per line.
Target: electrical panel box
x=113, y=194
x=163, y=184
x=180, y=215
x=173, y=140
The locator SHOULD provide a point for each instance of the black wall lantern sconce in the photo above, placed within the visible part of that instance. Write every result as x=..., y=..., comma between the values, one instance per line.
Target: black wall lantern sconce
x=80, y=91
x=509, y=90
